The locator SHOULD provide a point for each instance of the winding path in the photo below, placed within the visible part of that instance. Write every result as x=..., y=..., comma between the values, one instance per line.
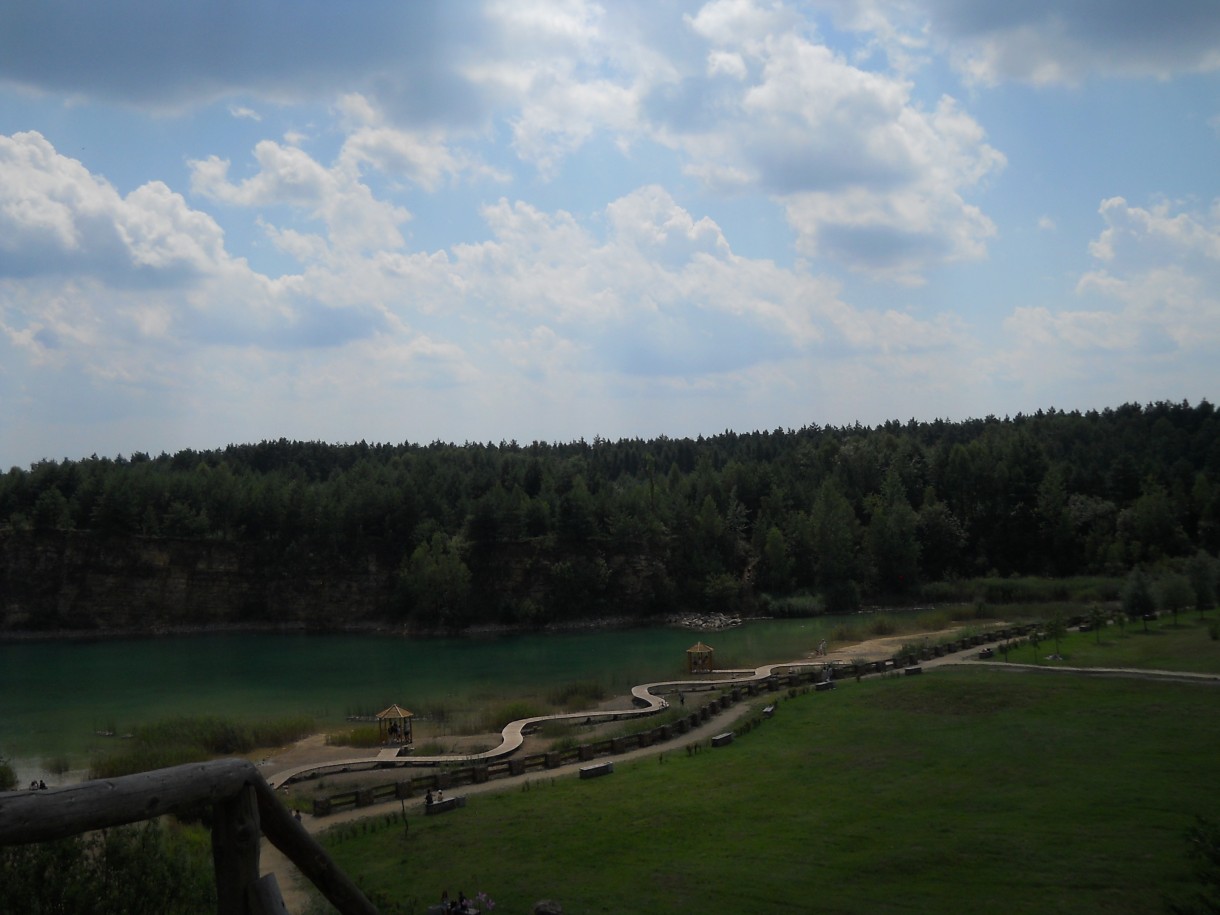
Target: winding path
x=513, y=734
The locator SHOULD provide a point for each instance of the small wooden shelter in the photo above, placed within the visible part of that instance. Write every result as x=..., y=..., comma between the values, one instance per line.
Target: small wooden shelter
x=394, y=725
x=700, y=658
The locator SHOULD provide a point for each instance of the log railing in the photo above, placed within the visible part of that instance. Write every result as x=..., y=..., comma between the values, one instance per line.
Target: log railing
x=244, y=807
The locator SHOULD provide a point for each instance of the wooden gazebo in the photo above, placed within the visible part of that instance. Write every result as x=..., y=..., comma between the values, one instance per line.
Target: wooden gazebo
x=394, y=725
x=700, y=659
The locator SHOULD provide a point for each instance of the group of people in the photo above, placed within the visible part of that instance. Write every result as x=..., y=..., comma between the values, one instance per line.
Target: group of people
x=39, y=785
x=431, y=799
x=461, y=904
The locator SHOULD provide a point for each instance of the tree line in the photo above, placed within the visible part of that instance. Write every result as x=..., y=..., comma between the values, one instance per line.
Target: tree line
x=523, y=534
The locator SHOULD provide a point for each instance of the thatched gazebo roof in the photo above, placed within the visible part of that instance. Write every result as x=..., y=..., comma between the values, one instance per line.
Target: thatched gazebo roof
x=699, y=658
x=395, y=724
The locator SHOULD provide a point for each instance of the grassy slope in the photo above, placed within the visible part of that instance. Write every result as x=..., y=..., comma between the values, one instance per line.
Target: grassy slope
x=1186, y=646
x=962, y=790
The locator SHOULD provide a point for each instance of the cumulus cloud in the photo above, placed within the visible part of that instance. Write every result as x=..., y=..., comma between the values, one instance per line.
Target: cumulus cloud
x=290, y=177
x=866, y=175
x=1044, y=42
x=57, y=218
x=647, y=288
x=177, y=55
x=87, y=273
x=1150, y=307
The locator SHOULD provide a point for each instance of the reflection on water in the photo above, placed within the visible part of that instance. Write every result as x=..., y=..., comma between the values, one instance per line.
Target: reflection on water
x=56, y=696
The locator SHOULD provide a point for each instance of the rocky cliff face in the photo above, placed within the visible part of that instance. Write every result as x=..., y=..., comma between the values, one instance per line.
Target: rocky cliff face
x=55, y=580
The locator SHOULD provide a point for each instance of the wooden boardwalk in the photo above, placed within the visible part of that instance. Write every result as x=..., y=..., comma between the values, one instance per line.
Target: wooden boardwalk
x=513, y=734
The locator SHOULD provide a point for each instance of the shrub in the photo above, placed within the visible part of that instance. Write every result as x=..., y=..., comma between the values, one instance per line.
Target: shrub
x=134, y=869
x=366, y=735
x=882, y=625
x=8, y=775
x=496, y=718
x=577, y=696
x=176, y=741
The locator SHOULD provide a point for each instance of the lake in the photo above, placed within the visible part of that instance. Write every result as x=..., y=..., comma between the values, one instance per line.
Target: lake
x=56, y=695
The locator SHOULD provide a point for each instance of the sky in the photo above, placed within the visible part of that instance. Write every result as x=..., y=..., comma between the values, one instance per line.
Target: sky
x=546, y=221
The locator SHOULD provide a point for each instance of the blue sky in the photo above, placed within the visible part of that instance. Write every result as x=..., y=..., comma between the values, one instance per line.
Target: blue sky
x=485, y=221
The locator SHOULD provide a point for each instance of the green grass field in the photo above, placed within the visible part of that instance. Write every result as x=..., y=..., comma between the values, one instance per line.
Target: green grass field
x=1186, y=646
x=964, y=790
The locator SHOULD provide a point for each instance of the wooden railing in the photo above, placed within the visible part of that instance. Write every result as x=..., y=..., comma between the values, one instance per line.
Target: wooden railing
x=244, y=809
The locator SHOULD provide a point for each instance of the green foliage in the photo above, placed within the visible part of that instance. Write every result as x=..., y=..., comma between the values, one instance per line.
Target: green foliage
x=367, y=735
x=57, y=765
x=181, y=740
x=1138, y=602
x=1174, y=593
x=436, y=584
x=1203, y=844
x=445, y=535
x=150, y=869
x=497, y=717
x=8, y=775
x=576, y=696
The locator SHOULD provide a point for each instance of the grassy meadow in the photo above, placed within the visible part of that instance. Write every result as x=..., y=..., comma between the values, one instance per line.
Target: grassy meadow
x=966, y=789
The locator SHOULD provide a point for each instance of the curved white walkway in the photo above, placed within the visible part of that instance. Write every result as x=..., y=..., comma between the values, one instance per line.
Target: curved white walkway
x=513, y=735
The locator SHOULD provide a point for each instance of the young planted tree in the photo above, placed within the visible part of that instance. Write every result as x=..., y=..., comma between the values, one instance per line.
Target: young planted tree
x=1056, y=628
x=1097, y=619
x=1174, y=593
x=1138, y=602
x=1202, y=572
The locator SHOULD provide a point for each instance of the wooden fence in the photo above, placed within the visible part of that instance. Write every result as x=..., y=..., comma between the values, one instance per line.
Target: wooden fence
x=244, y=809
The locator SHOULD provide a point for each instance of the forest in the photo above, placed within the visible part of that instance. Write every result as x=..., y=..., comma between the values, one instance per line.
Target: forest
x=809, y=520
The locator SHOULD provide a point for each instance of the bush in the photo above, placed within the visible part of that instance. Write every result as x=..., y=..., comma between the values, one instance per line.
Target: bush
x=495, y=719
x=57, y=765
x=367, y=735
x=792, y=606
x=176, y=741
x=577, y=696
x=140, y=870
x=882, y=625
x=8, y=775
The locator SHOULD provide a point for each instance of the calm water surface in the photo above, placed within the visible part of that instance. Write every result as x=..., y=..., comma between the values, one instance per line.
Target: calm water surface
x=55, y=696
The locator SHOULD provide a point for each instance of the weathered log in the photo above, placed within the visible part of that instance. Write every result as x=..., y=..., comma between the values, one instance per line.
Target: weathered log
x=265, y=897
x=235, y=846
x=244, y=803
x=284, y=832
x=57, y=813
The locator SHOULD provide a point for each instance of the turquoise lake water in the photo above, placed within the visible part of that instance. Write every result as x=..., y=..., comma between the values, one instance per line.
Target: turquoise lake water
x=55, y=695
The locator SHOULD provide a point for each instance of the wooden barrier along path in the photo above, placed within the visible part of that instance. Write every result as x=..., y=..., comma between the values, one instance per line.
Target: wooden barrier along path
x=243, y=808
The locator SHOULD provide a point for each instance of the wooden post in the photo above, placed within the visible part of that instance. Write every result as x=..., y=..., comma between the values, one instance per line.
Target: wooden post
x=285, y=833
x=235, y=841
x=227, y=784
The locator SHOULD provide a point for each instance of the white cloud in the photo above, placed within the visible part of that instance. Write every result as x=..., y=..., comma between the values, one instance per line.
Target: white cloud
x=1046, y=42
x=1152, y=307
x=866, y=176
x=243, y=112
x=57, y=218
x=660, y=293
x=290, y=177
